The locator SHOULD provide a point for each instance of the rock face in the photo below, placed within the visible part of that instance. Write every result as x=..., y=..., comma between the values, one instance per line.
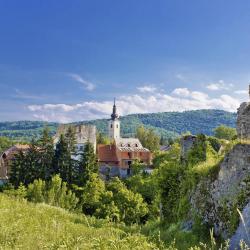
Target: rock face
x=243, y=231
x=217, y=200
x=243, y=121
x=187, y=142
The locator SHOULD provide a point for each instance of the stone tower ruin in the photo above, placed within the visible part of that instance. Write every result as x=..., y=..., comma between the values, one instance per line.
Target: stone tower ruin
x=243, y=120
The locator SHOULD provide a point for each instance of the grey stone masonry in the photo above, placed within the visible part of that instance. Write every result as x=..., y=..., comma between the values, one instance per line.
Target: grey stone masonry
x=187, y=142
x=243, y=121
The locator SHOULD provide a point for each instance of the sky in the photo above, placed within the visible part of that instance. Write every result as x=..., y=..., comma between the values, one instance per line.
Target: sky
x=65, y=61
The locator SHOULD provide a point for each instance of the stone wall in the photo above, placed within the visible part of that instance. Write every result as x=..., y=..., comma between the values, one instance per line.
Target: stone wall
x=216, y=200
x=243, y=121
x=187, y=142
x=83, y=133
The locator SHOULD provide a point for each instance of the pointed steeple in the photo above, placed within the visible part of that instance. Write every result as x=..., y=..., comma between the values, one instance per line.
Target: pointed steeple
x=114, y=115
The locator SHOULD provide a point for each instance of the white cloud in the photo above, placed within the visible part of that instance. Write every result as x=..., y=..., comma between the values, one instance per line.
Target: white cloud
x=146, y=89
x=220, y=85
x=86, y=84
x=138, y=103
x=184, y=92
x=241, y=92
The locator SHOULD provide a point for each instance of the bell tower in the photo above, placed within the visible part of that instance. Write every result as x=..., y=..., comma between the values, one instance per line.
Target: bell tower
x=114, y=124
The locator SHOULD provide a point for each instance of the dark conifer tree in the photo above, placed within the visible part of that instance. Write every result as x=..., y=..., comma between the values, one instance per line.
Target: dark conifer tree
x=25, y=166
x=88, y=164
x=46, y=153
x=62, y=160
x=16, y=174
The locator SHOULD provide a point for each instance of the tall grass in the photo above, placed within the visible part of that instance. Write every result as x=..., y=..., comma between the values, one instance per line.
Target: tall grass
x=25, y=225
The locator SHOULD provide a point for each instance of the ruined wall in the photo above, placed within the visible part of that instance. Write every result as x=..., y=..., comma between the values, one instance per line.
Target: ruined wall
x=83, y=133
x=216, y=200
x=243, y=121
x=187, y=142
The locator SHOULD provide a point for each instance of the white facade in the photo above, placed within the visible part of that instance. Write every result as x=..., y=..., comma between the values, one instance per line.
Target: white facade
x=114, y=129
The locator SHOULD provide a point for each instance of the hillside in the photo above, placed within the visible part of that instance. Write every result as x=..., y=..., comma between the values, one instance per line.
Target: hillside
x=26, y=225
x=167, y=124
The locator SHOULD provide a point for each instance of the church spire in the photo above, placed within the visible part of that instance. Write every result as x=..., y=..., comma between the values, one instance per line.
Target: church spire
x=114, y=115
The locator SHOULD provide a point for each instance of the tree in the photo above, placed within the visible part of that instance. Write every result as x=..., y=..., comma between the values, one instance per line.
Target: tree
x=102, y=139
x=88, y=164
x=62, y=163
x=46, y=154
x=5, y=143
x=225, y=132
x=148, y=138
x=25, y=166
x=54, y=193
x=97, y=201
x=132, y=208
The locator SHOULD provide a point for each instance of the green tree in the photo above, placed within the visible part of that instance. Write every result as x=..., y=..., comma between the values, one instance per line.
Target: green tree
x=225, y=132
x=148, y=138
x=62, y=163
x=5, y=143
x=54, y=192
x=88, y=164
x=102, y=139
x=25, y=166
x=132, y=208
x=46, y=154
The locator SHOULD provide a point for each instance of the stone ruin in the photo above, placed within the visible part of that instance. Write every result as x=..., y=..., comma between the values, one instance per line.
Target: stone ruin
x=243, y=120
x=187, y=142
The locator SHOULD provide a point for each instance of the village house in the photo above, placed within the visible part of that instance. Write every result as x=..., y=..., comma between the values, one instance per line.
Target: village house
x=6, y=158
x=116, y=159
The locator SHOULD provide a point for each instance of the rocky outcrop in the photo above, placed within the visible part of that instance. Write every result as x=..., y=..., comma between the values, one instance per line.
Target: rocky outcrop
x=243, y=121
x=243, y=231
x=216, y=200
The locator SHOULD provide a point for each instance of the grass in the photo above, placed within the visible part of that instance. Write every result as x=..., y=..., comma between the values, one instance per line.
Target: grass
x=25, y=225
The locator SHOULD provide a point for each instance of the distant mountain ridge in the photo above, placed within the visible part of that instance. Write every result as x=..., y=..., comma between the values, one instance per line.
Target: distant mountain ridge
x=167, y=124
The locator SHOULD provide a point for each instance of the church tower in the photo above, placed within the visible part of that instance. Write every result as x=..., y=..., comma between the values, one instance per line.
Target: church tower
x=114, y=124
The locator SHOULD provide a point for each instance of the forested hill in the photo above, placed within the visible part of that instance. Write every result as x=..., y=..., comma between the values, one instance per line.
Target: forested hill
x=168, y=124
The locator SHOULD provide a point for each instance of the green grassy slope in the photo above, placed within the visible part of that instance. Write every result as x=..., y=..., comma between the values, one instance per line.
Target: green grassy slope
x=25, y=225
x=167, y=124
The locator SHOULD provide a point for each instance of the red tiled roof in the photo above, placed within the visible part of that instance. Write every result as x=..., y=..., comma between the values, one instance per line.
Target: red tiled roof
x=107, y=153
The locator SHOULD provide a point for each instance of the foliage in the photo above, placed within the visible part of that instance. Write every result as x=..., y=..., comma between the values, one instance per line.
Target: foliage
x=148, y=138
x=54, y=193
x=132, y=208
x=88, y=164
x=198, y=151
x=25, y=166
x=5, y=143
x=114, y=202
x=102, y=139
x=63, y=164
x=146, y=185
x=38, y=226
x=225, y=132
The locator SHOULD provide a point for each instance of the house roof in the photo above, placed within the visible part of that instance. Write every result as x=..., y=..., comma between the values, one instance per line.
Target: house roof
x=130, y=145
x=107, y=153
x=14, y=149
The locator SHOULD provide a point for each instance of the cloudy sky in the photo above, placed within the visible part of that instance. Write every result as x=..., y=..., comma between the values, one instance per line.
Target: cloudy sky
x=66, y=60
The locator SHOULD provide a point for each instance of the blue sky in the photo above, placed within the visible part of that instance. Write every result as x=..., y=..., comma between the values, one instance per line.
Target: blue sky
x=66, y=60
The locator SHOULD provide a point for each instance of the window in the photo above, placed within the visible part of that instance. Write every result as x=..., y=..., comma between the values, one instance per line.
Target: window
x=128, y=145
x=117, y=125
x=136, y=145
x=111, y=125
